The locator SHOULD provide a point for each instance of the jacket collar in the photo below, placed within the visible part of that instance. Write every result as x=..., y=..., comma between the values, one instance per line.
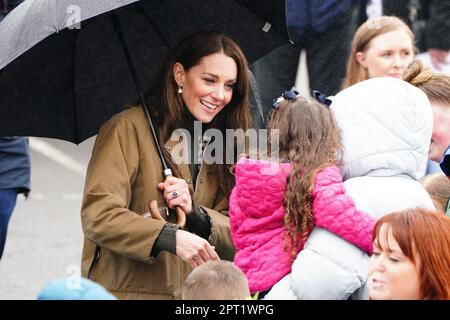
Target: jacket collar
x=180, y=147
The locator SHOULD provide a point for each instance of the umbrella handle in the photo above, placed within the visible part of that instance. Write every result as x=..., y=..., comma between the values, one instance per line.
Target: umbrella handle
x=154, y=212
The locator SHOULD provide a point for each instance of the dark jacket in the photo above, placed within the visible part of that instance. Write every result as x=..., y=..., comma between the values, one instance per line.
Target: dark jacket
x=305, y=17
x=14, y=164
x=431, y=25
x=438, y=25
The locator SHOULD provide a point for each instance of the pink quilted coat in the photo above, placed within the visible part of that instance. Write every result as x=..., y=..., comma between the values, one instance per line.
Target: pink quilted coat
x=257, y=213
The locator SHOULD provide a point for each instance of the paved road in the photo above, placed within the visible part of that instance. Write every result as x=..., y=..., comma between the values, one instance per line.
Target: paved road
x=45, y=237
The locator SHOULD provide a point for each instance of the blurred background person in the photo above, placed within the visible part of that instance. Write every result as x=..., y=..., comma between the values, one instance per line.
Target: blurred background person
x=14, y=179
x=7, y=6
x=14, y=163
x=430, y=22
x=382, y=47
x=324, y=28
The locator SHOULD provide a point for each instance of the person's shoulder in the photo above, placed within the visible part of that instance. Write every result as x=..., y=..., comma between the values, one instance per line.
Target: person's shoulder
x=134, y=113
x=130, y=117
x=126, y=124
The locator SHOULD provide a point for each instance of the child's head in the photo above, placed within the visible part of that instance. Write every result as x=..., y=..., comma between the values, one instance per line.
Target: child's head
x=382, y=46
x=437, y=88
x=310, y=139
x=438, y=187
x=307, y=130
x=411, y=256
x=216, y=280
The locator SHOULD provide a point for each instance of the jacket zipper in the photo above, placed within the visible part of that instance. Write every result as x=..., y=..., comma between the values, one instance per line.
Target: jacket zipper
x=94, y=261
x=201, y=167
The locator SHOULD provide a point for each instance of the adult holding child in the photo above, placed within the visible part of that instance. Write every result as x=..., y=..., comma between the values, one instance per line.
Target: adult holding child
x=279, y=198
x=386, y=126
x=131, y=255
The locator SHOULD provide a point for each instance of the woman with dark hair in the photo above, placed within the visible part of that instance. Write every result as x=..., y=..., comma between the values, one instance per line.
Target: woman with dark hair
x=411, y=256
x=131, y=254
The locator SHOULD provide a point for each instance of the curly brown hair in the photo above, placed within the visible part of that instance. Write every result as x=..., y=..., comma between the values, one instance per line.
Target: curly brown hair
x=310, y=139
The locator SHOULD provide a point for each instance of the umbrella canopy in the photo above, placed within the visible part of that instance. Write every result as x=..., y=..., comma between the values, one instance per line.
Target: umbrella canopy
x=64, y=82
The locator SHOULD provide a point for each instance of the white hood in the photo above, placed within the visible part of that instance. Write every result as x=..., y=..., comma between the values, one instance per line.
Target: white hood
x=386, y=128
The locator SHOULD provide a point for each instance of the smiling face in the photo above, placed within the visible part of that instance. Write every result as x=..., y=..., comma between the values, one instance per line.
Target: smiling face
x=387, y=55
x=440, y=138
x=392, y=275
x=208, y=86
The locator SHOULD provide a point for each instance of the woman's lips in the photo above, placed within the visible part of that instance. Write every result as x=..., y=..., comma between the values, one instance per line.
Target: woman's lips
x=377, y=283
x=208, y=105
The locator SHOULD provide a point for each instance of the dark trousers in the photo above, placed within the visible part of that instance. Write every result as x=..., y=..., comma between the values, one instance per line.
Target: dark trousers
x=7, y=203
x=327, y=55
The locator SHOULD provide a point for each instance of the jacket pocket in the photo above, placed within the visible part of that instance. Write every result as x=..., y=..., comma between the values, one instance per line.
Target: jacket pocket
x=94, y=261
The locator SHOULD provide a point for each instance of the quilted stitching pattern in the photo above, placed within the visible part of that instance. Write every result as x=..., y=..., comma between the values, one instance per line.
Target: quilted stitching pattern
x=256, y=218
x=336, y=211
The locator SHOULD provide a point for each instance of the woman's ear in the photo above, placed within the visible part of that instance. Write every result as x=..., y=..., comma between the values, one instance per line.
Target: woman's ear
x=178, y=74
x=361, y=58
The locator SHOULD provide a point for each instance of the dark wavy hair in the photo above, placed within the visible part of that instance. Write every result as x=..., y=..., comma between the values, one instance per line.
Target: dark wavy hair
x=310, y=139
x=168, y=108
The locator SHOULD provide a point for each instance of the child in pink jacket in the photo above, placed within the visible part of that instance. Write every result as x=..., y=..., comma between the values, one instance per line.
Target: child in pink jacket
x=276, y=203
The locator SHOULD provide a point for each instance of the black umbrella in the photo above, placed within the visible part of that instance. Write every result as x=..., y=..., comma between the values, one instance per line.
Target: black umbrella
x=72, y=81
x=67, y=84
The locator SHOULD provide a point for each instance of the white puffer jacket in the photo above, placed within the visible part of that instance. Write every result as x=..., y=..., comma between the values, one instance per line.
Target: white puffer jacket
x=386, y=130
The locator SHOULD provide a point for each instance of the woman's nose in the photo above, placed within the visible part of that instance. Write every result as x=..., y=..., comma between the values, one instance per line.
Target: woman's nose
x=219, y=93
x=377, y=264
x=398, y=62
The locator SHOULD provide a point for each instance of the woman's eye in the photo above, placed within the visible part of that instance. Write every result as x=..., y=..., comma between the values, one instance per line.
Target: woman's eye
x=376, y=253
x=230, y=86
x=393, y=259
x=209, y=80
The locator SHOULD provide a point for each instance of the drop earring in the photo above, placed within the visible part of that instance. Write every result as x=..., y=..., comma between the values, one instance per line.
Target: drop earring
x=180, y=89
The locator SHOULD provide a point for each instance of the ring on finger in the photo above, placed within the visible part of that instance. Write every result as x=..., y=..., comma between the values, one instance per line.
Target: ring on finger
x=174, y=194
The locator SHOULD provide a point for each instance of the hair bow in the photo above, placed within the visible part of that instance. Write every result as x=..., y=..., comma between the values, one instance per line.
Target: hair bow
x=287, y=95
x=323, y=99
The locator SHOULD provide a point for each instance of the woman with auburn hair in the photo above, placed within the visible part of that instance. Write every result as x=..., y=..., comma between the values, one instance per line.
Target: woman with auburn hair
x=437, y=88
x=411, y=256
x=382, y=47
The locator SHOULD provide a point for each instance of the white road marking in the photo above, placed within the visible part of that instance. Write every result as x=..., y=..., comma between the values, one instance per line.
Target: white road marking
x=57, y=155
x=51, y=197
